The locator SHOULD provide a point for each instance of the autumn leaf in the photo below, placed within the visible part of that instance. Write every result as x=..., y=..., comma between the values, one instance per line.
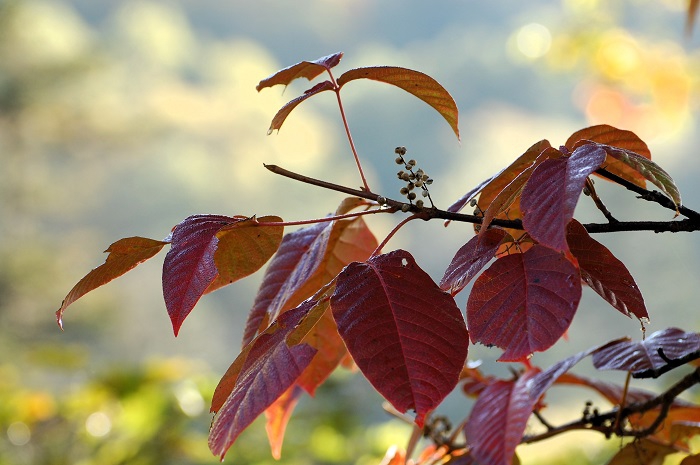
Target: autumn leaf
x=523, y=303
x=297, y=258
x=498, y=419
x=303, y=69
x=646, y=355
x=604, y=273
x=642, y=452
x=406, y=335
x=690, y=18
x=307, y=260
x=189, y=268
x=611, y=136
x=414, y=82
x=124, y=255
x=270, y=368
x=552, y=192
x=277, y=416
x=647, y=169
x=470, y=259
x=244, y=247
x=283, y=112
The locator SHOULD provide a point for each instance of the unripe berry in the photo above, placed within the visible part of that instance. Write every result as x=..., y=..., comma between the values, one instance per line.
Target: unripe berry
x=399, y=161
x=400, y=150
x=419, y=203
x=411, y=195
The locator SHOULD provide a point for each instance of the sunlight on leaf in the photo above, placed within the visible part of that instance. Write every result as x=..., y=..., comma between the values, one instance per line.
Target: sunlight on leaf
x=189, y=268
x=244, y=247
x=303, y=69
x=414, y=82
x=282, y=114
x=124, y=255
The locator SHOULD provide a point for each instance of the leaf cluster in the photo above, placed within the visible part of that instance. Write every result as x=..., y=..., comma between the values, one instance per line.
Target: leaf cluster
x=330, y=297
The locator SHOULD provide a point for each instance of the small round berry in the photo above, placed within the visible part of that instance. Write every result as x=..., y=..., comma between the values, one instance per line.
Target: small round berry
x=425, y=177
x=381, y=200
x=419, y=203
x=410, y=186
x=399, y=161
x=411, y=196
x=404, y=191
x=405, y=177
x=472, y=202
x=400, y=150
x=405, y=207
x=419, y=183
x=411, y=162
x=428, y=181
x=424, y=193
x=400, y=174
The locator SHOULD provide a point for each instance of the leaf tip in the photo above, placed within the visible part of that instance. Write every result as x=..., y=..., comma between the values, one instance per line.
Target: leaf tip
x=59, y=317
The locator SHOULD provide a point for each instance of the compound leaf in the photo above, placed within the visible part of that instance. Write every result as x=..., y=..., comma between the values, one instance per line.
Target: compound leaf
x=124, y=255
x=524, y=303
x=414, y=82
x=406, y=335
x=303, y=69
x=604, y=273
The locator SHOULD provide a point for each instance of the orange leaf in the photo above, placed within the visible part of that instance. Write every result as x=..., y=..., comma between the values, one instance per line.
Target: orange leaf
x=605, y=134
x=414, y=82
x=124, y=255
x=243, y=248
x=692, y=12
x=282, y=114
x=642, y=452
x=303, y=69
x=277, y=416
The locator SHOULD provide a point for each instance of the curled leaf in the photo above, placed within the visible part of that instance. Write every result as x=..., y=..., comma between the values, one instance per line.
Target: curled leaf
x=282, y=114
x=124, y=255
x=414, y=82
x=470, y=259
x=303, y=69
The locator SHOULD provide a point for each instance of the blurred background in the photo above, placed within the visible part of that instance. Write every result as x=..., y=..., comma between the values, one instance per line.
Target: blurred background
x=121, y=119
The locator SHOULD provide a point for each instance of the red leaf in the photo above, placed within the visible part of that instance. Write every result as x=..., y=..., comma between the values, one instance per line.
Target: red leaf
x=406, y=335
x=189, y=269
x=282, y=114
x=124, y=255
x=414, y=82
x=605, y=134
x=544, y=380
x=296, y=275
x=524, y=303
x=639, y=356
x=303, y=69
x=550, y=195
x=297, y=258
x=604, y=273
x=278, y=415
x=498, y=419
x=270, y=368
x=470, y=259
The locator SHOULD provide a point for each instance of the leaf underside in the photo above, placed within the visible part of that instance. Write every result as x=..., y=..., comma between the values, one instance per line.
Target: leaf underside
x=303, y=69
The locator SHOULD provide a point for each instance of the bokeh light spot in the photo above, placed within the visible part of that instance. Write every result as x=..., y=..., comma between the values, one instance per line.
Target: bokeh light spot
x=533, y=40
x=98, y=424
x=18, y=433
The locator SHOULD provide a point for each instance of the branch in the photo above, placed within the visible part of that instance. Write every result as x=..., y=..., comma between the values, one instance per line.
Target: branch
x=605, y=422
x=692, y=223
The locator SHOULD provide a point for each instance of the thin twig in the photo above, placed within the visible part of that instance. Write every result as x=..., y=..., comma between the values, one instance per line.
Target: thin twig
x=692, y=223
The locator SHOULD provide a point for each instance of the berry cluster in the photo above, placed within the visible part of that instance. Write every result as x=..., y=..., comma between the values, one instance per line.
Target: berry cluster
x=414, y=179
